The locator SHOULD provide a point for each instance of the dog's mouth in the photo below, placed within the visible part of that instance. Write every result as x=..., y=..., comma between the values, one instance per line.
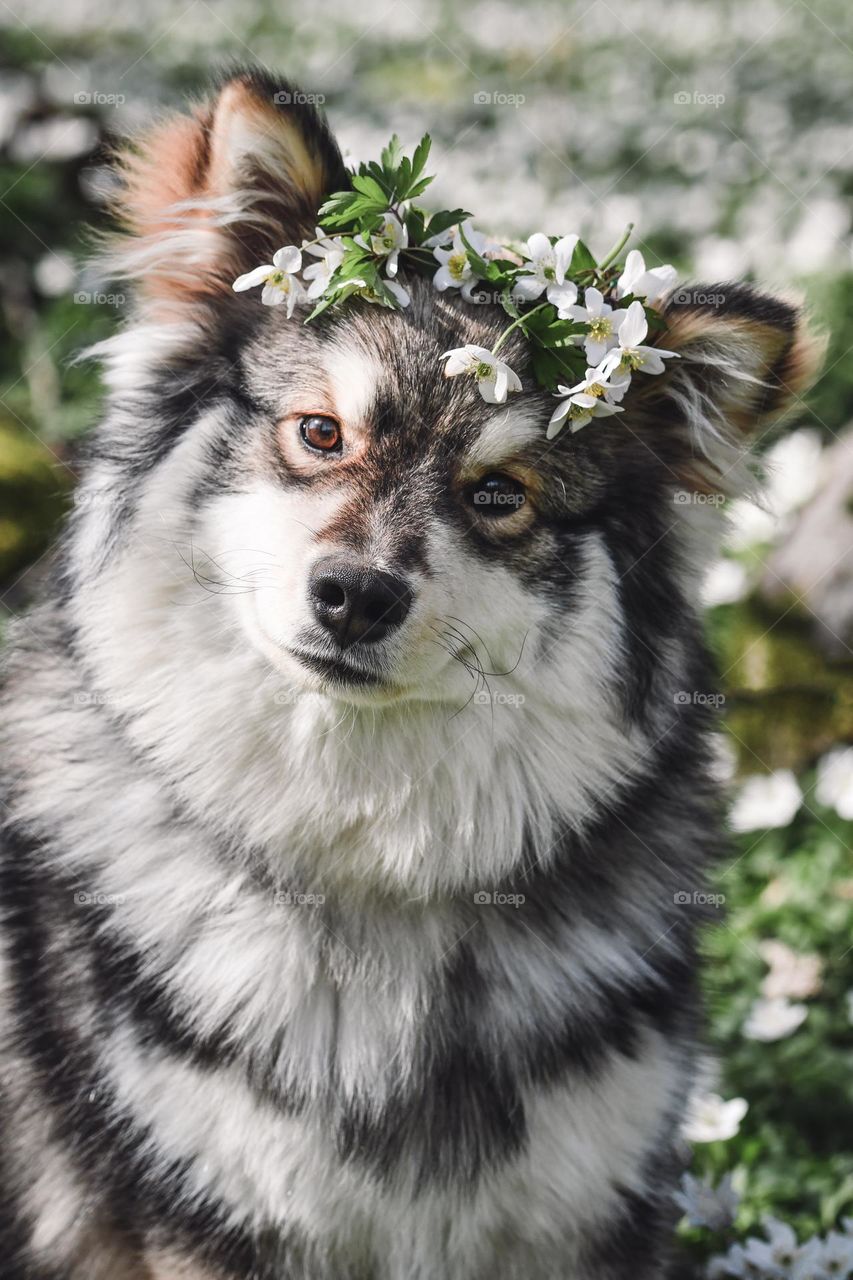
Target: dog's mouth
x=338, y=671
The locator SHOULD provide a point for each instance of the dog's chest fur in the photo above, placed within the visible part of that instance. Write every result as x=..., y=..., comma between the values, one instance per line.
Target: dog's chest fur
x=319, y=1068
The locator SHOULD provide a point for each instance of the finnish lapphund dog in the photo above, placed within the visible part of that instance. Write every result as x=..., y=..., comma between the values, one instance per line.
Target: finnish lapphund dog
x=355, y=832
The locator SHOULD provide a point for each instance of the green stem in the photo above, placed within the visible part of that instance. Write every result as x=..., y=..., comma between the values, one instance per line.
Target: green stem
x=520, y=321
x=617, y=248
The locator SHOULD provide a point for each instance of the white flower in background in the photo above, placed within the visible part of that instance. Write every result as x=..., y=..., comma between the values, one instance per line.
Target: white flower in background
x=602, y=324
x=277, y=279
x=793, y=975
x=807, y=1264
x=775, y=1255
x=766, y=801
x=748, y=524
x=631, y=355
x=330, y=251
x=773, y=1019
x=732, y=1263
x=836, y=1255
x=387, y=242
x=582, y=403
x=834, y=786
x=456, y=271
x=545, y=272
x=706, y=1205
x=792, y=468
x=710, y=1119
x=650, y=284
x=494, y=378
x=726, y=582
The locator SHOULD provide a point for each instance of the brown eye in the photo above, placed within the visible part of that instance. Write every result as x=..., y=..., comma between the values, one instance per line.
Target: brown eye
x=497, y=495
x=321, y=433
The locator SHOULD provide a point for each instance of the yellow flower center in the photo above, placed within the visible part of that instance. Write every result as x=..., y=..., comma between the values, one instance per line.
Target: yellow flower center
x=456, y=264
x=578, y=411
x=595, y=389
x=632, y=360
x=483, y=370
x=600, y=327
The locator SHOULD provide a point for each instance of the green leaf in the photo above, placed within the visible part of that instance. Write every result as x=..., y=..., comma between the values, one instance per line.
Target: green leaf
x=582, y=260
x=417, y=189
x=371, y=188
x=391, y=154
x=421, y=155
x=415, y=224
x=446, y=219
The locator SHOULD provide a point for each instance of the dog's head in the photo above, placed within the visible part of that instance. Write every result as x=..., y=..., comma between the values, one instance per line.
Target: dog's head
x=320, y=508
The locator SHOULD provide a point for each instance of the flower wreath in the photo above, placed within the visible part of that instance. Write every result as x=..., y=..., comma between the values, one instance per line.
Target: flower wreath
x=586, y=351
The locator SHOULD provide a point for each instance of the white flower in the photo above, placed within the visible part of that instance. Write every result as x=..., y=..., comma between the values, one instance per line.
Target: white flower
x=732, y=1263
x=710, y=1119
x=330, y=251
x=494, y=378
x=706, y=1205
x=793, y=975
x=602, y=322
x=775, y=1255
x=835, y=782
x=387, y=242
x=583, y=403
x=766, y=801
x=773, y=1019
x=836, y=1255
x=277, y=279
x=807, y=1264
x=651, y=285
x=545, y=272
x=631, y=356
x=456, y=271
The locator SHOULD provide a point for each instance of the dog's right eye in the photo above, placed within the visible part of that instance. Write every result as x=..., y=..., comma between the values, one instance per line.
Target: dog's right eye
x=320, y=433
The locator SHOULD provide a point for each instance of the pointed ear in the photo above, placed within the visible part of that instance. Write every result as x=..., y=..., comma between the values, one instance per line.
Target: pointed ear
x=207, y=196
x=744, y=360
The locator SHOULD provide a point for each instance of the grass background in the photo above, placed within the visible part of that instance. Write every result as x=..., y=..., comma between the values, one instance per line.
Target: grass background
x=724, y=132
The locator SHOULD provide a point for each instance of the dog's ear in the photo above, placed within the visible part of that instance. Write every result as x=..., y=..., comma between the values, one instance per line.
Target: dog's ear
x=744, y=360
x=207, y=196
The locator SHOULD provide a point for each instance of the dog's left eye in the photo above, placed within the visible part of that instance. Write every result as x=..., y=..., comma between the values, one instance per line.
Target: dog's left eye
x=496, y=495
x=321, y=433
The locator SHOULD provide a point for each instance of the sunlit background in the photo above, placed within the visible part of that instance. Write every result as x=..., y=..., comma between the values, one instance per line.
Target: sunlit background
x=724, y=132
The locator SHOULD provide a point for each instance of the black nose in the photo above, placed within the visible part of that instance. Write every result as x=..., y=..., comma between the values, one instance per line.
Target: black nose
x=355, y=603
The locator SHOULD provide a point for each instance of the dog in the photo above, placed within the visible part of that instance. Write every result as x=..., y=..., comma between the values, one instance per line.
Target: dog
x=358, y=795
